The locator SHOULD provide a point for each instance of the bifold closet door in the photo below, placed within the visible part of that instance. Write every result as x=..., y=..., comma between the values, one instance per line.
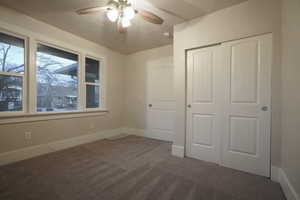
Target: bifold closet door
x=246, y=136
x=228, y=104
x=204, y=99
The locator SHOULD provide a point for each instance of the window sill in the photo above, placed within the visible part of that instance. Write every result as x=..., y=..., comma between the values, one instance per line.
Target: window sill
x=21, y=118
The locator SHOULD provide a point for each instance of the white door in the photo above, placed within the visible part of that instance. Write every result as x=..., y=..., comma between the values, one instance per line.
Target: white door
x=204, y=109
x=229, y=92
x=160, y=100
x=246, y=139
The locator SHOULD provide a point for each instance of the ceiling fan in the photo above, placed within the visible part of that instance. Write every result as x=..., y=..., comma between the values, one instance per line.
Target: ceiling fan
x=122, y=12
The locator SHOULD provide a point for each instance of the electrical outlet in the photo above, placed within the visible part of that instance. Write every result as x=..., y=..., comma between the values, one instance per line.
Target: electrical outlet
x=27, y=135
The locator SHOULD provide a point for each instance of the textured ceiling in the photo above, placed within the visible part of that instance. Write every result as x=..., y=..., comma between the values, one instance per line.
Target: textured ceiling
x=95, y=27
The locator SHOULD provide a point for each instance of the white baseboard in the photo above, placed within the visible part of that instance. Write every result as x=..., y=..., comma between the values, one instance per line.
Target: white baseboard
x=286, y=185
x=133, y=131
x=178, y=151
x=33, y=151
x=275, y=173
x=141, y=132
x=278, y=175
x=165, y=136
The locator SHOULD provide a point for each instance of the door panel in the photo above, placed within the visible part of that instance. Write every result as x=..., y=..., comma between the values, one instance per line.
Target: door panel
x=204, y=114
x=161, y=101
x=203, y=128
x=203, y=77
x=243, y=135
x=244, y=72
x=246, y=137
x=161, y=82
x=161, y=119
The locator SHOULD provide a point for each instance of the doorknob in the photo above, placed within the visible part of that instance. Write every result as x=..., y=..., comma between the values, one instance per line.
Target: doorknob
x=189, y=105
x=150, y=105
x=265, y=108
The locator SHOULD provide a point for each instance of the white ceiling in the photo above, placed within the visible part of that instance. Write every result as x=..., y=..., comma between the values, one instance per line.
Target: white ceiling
x=95, y=27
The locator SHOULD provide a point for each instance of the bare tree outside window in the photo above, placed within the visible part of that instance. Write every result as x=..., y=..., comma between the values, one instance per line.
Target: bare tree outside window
x=57, y=80
x=4, y=52
x=12, y=65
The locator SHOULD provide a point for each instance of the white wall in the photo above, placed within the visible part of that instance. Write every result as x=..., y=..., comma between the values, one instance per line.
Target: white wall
x=291, y=92
x=134, y=115
x=246, y=19
x=12, y=135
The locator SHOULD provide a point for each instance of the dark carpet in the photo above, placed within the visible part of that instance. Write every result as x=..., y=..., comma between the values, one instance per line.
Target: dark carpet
x=130, y=168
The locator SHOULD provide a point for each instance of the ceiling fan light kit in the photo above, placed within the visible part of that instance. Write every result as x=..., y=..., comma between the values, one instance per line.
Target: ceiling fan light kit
x=122, y=12
x=125, y=22
x=129, y=12
x=112, y=15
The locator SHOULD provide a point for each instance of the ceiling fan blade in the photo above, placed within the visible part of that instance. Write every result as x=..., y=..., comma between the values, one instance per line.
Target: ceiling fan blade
x=171, y=13
x=91, y=10
x=150, y=17
x=168, y=11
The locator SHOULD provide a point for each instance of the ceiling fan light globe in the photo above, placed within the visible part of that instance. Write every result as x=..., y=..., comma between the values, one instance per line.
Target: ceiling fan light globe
x=112, y=15
x=125, y=22
x=129, y=12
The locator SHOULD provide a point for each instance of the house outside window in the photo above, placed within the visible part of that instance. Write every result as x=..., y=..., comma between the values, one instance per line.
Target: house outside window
x=39, y=78
x=92, y=82
x=57, y=79
x=12, y=71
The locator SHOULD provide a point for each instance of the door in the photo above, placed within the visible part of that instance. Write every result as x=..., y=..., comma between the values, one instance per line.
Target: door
x=229, y=97
x=204, y=109
x=246, y=137
x=160, y=99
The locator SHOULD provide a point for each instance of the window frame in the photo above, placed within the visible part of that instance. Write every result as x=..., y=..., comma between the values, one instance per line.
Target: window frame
x=24, y=76
x=29, y=110
x=100, y=84
x=79, y=74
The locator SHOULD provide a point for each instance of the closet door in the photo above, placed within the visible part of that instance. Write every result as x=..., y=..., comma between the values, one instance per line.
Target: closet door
x=246, y=135
x=204, y=104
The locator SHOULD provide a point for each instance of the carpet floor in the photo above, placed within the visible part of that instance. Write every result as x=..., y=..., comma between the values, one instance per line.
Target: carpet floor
x=129, y=168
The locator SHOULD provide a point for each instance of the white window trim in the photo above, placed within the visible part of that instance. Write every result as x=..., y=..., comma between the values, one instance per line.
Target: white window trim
x=79, y=77
x=24, y=76
x=100, y=84
x=29, y=112
x=19, y=118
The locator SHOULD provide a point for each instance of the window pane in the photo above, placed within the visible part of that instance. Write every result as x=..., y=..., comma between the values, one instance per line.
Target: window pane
x=92, y=70
x=10, y=93
x=92, y=96
x=57, y=80
x=12, y=54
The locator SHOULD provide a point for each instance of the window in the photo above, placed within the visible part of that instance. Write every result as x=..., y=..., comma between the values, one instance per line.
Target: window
x=92, y=82
x=12, y=71
x=57, y=79
x=55, y=82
